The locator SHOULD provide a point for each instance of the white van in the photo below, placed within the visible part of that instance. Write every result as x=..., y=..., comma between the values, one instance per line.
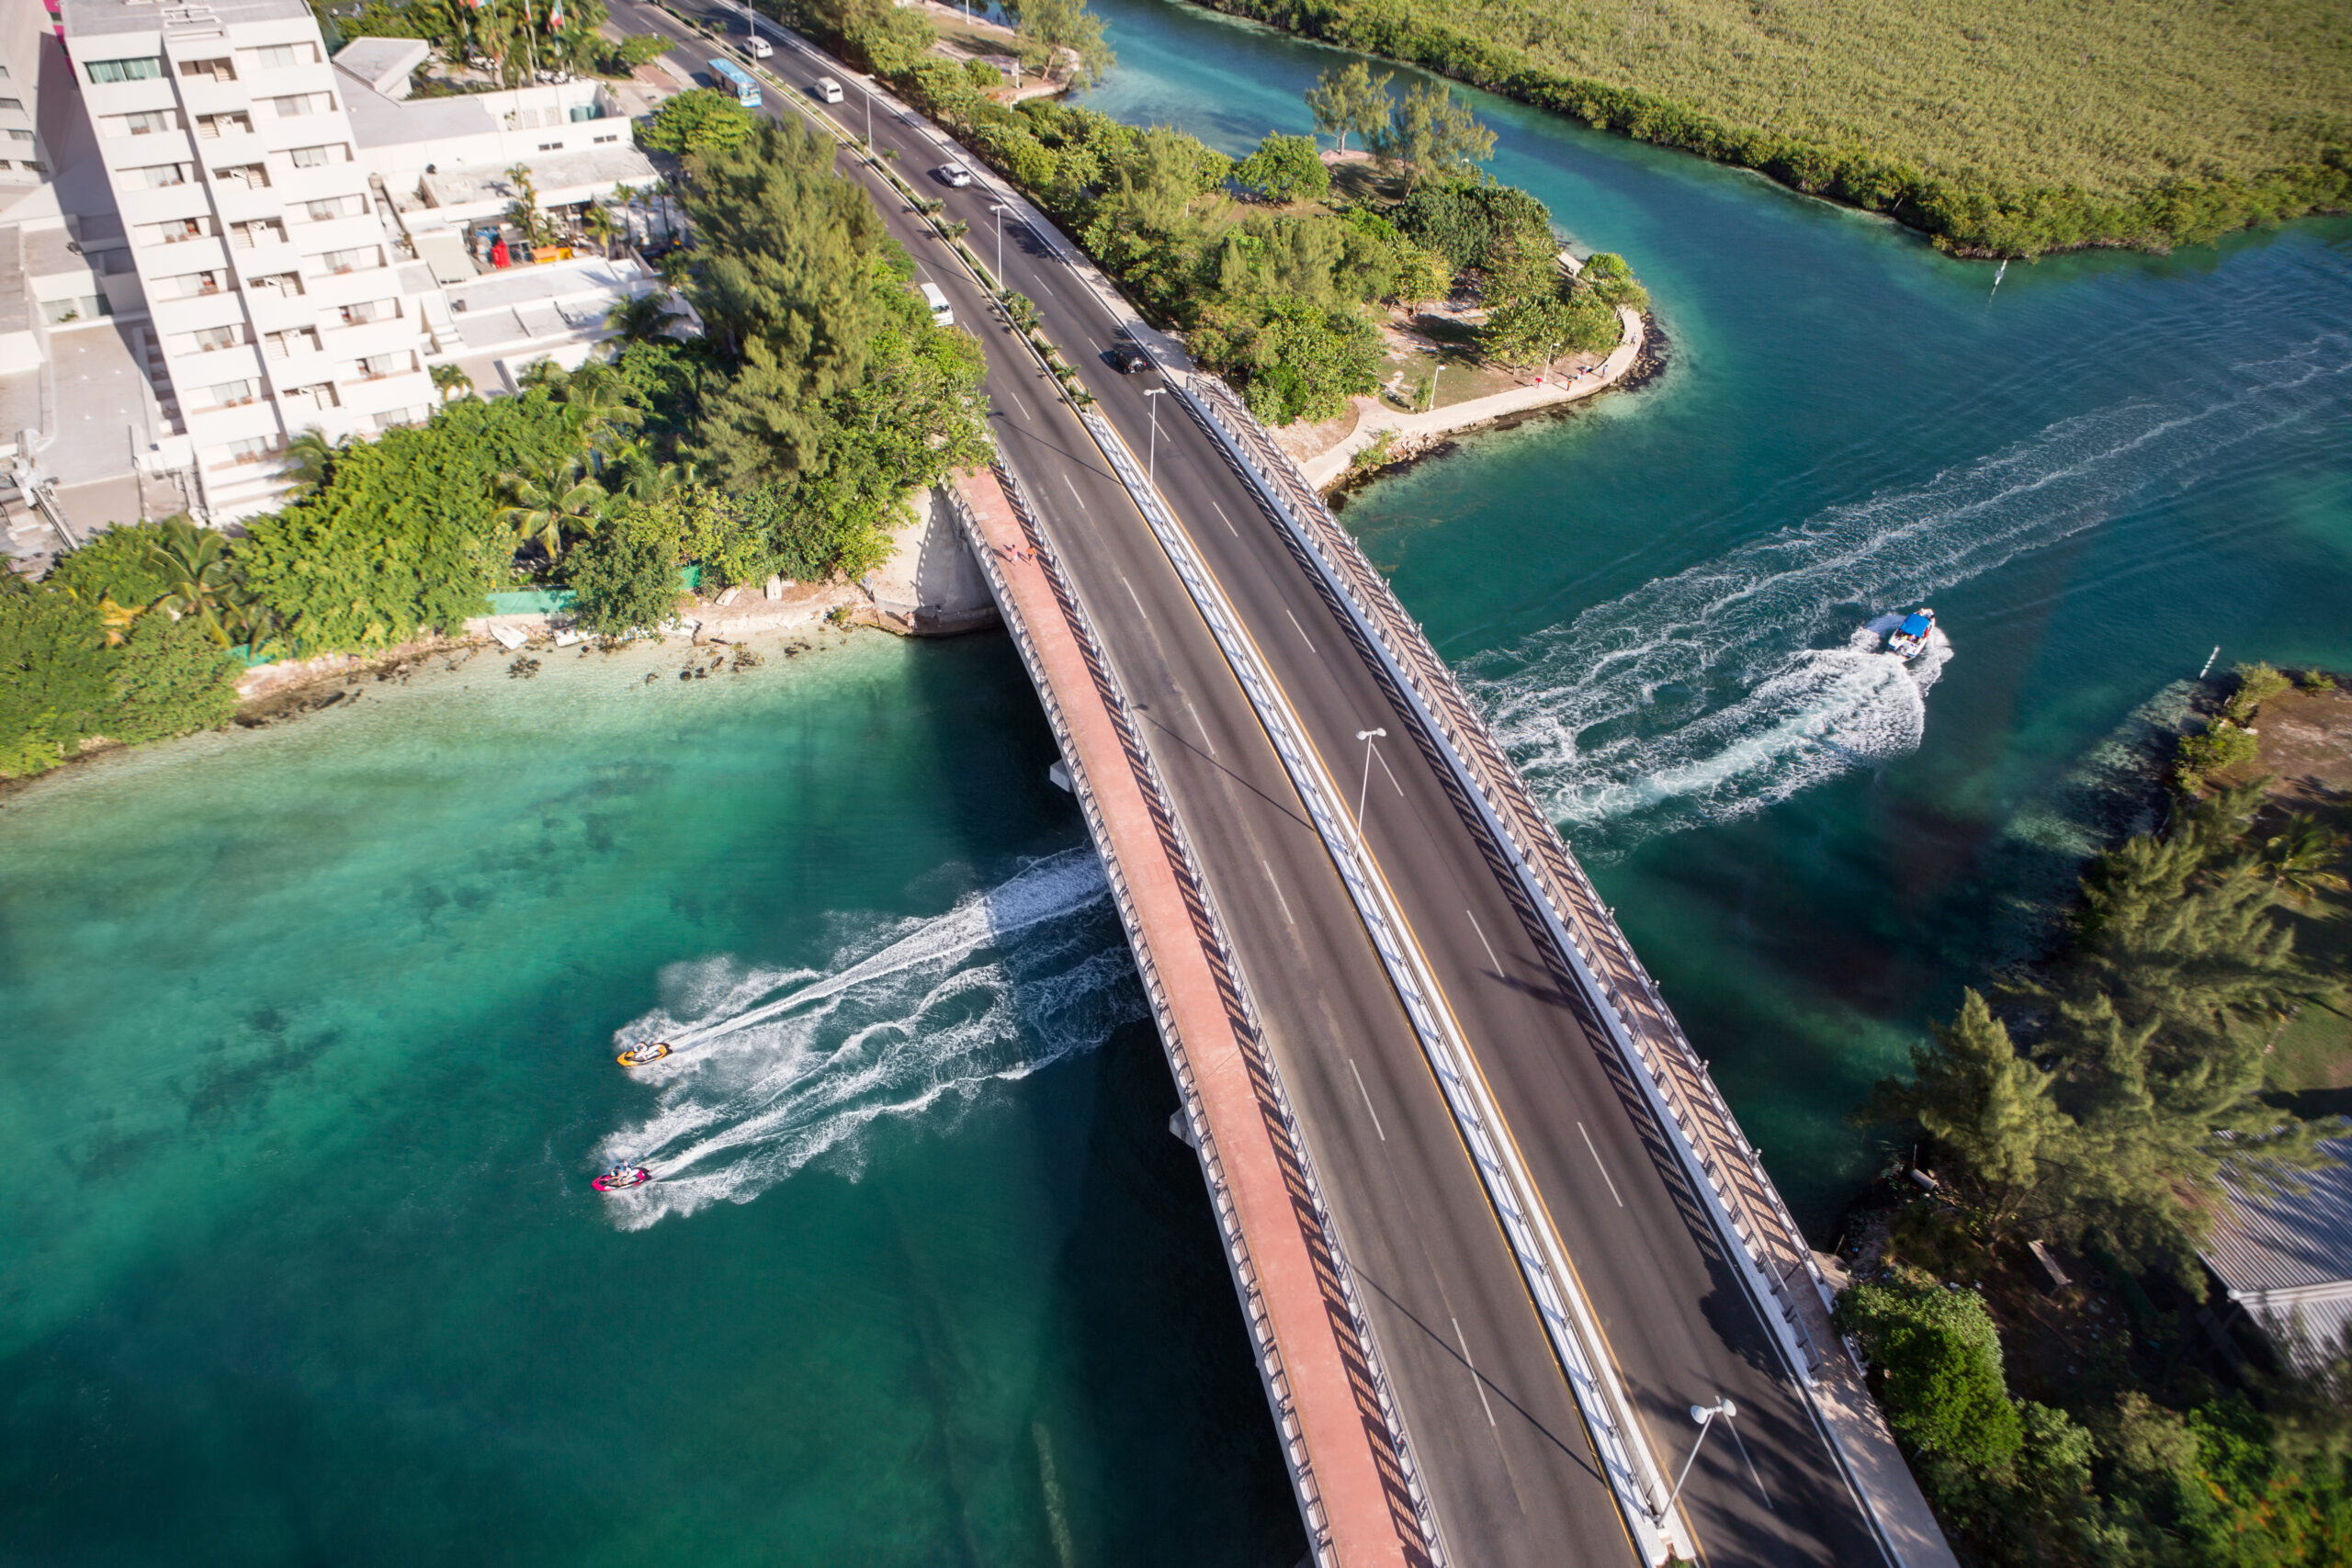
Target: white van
x=942, y=312
x=759, y=48
x=827, y=91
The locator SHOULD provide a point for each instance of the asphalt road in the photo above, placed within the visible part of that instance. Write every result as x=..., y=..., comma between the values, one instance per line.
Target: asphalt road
x=1496, y=1433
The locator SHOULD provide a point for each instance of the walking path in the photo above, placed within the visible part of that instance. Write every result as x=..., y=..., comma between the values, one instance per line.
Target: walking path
x=1359, y=1504
x=1376, y=419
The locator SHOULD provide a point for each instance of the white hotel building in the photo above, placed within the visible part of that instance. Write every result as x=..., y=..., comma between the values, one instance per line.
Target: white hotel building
x=271, y=289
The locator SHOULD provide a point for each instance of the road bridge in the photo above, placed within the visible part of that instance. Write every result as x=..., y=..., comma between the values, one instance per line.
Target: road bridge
x=1536, y=1236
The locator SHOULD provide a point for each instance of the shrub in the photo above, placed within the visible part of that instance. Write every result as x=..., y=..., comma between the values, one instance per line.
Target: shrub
x=1938, y=1362
x=2223, y=746
x=627, y=576
x=172, y=678
x=702, y=120
x=2258, y=684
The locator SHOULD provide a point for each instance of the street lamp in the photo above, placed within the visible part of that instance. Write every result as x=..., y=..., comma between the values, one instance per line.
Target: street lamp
x=1000, y=209
x=1704, y=1414
x=1368, y=737
x=1151, y=464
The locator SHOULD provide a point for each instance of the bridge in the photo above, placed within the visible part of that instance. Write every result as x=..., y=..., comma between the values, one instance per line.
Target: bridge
x=1495, y=1233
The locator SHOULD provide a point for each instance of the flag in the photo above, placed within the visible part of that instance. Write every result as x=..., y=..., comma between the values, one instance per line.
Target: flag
x=555, y=15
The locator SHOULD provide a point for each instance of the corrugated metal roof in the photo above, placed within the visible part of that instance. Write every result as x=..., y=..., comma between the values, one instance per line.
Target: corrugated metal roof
x=2284, y=1241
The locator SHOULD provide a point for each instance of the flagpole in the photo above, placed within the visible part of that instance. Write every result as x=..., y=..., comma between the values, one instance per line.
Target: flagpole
x=530, y=46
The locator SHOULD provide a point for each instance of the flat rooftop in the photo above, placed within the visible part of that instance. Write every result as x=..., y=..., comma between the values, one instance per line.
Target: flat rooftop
x=85, y=18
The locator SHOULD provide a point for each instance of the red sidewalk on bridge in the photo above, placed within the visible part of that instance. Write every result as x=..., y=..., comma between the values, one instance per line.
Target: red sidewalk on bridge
x=1353, y=1465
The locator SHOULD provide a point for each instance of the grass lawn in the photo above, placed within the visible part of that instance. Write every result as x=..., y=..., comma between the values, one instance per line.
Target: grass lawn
x=2023, y=105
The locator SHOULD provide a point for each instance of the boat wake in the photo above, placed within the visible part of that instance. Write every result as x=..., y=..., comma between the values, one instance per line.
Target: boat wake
x=777, y=1068
x=1709, y=695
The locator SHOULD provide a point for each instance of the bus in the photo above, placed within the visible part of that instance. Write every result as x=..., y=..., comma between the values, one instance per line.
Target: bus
x=735, y=79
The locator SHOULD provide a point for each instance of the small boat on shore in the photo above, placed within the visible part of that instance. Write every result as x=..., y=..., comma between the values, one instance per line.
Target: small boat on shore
x=1910, y=638
x=621, y=1178
x=642, y=1055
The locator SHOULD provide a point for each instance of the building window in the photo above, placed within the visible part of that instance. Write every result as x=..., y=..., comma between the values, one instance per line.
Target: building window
x=372, y=310
x=219, y=70
x=320, y=396
x=173, y=232
x=155, y=176
x=17, y=104
x=102, y=71
x=193, y=285
x=292, y=105
x=317, y=157
x=252, y=177
x=253, y=449
x=89, y=307
x=206, y=339
x=376, y=366
x=258, y=231
x=336, y=207
x=212, y=126
x=353, y=260
x=602, y=139
x=231, y=394
x=147, y=122
x=295, y=339
x=288, y=54
x=284, y=283
x=396, y=417
x=20, y=135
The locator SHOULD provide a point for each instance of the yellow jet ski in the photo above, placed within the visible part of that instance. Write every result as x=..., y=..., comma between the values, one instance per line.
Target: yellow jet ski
x=645, y=1055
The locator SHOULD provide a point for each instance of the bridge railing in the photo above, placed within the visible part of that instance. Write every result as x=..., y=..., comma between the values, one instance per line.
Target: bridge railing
x=1254, y=1307
x=1645, y=1028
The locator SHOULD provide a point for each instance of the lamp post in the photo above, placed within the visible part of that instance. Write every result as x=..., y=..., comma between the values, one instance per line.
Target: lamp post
x=999, y=208
x=1368, y=737
x=1151, y=463
x=1704, y=1414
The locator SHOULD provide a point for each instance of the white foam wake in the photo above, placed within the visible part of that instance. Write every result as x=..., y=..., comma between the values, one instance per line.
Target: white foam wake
x=1728, y=686
x=907, y=1016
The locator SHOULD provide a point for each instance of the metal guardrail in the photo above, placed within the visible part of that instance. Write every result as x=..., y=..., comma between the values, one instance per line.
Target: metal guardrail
x=1635, y=1478
x=1254, y=1310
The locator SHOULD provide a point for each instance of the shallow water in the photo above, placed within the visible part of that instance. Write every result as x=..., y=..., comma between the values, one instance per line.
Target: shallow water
x=2095, y=473
x=315, y=1031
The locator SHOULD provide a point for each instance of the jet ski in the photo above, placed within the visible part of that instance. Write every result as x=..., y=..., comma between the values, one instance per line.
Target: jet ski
x=621, y=1178
x=1910, y=639
x=643, y=1055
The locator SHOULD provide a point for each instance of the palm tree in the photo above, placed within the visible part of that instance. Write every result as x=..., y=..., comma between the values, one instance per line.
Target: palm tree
x=557, y=501
x=600, y=225
x=599, y=402
x=452, y=381
x=308, y=462
x=195, y=564
x=2300, y=861
x=641, y=319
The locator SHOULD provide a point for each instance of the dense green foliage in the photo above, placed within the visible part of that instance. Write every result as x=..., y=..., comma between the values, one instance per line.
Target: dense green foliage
x=1938, y=1361
x=2012, y=130
x=513, y=35
x=627, y=576
x=703, y=119
x=1273, y=291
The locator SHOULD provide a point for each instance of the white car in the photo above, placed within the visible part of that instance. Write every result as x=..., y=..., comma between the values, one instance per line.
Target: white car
x=760, y=48
x=956, y=174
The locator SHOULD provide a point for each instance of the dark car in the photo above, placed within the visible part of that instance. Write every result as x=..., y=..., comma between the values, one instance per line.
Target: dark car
x=1127, y=358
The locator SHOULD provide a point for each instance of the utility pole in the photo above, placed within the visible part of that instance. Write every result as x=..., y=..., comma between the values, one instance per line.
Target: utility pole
x=1433, y=374
x=999, y=208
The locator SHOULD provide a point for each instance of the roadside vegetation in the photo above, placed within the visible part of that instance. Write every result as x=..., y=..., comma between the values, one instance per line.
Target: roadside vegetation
x=1278, y=271
x=2010, y=129
x=2094, y=1105
x=495, y=43
x=783, y=442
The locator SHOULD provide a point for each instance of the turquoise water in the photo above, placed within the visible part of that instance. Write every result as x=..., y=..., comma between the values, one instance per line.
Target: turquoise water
x=314, y=1031
x=2095, y=473
x=314, y=1024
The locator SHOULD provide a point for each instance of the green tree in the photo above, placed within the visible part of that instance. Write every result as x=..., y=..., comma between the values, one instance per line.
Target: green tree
x=2258, y=684
x=114, y=567
x=2301, y=858
x=56, y=683
x=1606, y=274
x=307, y=462
x=172, y=677
x=1350, y=98
x=1283, y=169
x=627, y=576
x=1937, y=1363
x=1068, y=24
x=1430, y=133
x=194, y=564
x=702, y=120
x=1991, y=1108
x=451, y=381
x=553, y=503
x=886, y=38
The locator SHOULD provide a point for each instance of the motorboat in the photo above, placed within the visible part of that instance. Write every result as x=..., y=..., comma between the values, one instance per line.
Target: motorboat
x=621, y=1178
x=1910, y=638
x=644, y=1053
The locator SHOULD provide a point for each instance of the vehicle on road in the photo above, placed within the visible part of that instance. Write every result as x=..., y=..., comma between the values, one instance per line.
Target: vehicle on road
x=826, y=90
x=1910, y=639
x=733, y=78
x=956, y=174
x=643, y=1054
x=942, y=312
x=621, y=1178
x=1127, y=358
x=759, y=48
